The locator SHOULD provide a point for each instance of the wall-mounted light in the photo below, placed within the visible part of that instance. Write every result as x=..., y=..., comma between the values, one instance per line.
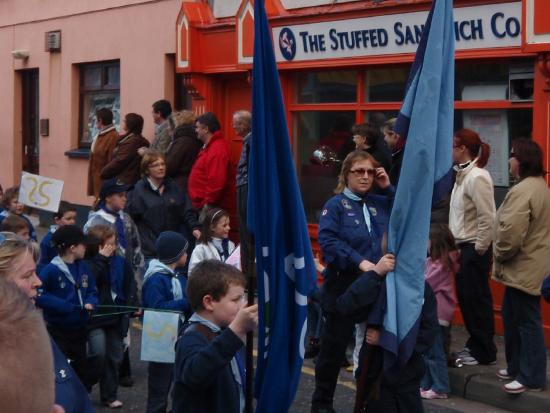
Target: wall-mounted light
x=20, y=54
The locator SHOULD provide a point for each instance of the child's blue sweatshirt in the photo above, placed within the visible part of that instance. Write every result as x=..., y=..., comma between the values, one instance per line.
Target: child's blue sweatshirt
x=163, y=288
x=47, y=251
x=66, y=288
x=206, y=374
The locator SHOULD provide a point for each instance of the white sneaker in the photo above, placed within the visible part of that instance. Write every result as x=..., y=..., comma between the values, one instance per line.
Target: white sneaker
x=469, y=360
x=503, y=374
x=514, y=387
x=465, y=352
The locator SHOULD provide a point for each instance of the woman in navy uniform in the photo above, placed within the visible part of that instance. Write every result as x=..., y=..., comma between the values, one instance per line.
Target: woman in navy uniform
x=351, y=229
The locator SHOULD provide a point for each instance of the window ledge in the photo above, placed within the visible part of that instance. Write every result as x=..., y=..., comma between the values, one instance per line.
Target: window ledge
x=79, y=153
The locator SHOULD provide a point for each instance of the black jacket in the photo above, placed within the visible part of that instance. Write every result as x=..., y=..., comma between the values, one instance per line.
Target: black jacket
x=181, y=154
x=105, y=271
x=154, y=213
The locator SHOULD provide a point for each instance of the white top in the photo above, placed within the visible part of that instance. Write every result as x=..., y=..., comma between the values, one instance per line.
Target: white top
x=207, y=252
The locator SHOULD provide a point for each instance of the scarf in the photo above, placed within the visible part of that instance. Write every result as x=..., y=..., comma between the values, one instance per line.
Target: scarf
x=119, y=225
x=116, y=277
x=222, y=246
x=59, y=263
x=366, y=214
x=155, y=266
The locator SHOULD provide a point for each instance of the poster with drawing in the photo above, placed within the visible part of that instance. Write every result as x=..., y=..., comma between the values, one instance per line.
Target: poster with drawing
x=492, y=127
x=40, y=192
x=160, y=331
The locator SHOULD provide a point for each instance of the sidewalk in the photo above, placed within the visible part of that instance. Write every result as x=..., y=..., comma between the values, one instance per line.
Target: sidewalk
x=477, y=389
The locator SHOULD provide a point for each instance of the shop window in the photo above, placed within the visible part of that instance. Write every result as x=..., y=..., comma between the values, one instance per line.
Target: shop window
x=99, y=88
x=377, y=118
x=498, y=128
x=327, y=87
x=323, y=139
x=386, y=84
x=491, y=81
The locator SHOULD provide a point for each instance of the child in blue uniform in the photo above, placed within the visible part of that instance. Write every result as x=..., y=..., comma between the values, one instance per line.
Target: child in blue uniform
x=115, y=284
x=164, y=288
x=11, y=204
x=68, y=296
x=65, y=215
x=210, y=375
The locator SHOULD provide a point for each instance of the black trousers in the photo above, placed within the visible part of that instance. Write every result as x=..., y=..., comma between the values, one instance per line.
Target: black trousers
x=337, y=333
x=524, y=338
x=476, y=302
x=73, y=345
x=158, y=386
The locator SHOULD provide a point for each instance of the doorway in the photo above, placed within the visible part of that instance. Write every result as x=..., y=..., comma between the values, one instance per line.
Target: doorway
x=30, y=120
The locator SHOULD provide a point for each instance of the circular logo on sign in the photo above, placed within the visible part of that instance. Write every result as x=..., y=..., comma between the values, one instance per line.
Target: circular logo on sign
x=287, y=43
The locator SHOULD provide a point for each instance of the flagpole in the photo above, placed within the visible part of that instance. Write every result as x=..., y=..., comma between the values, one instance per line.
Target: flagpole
x=249, y=398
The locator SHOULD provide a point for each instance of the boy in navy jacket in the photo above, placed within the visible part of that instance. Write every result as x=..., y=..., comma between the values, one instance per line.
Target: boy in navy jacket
x=164, y=289
x=65, y=215
x=68, y=296
x=210, y=376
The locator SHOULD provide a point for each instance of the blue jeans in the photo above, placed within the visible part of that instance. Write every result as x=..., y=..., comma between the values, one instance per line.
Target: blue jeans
x=437, y=375
x=105, y=353
x=523, y=338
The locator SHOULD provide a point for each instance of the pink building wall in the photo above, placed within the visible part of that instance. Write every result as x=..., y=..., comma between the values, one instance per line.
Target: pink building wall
x=141, y=34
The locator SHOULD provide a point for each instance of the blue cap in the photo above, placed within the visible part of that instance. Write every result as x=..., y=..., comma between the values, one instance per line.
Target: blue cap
x=170, y=246
x=112, y=186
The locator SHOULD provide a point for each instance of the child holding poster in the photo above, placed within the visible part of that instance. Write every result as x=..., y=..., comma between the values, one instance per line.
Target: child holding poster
x=12, y=206
x=164, y=289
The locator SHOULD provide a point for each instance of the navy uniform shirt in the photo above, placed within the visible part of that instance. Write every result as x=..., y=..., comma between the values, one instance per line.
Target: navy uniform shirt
x=345, y=239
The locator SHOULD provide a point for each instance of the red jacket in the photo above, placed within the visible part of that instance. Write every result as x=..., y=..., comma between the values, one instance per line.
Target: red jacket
x=212, y=178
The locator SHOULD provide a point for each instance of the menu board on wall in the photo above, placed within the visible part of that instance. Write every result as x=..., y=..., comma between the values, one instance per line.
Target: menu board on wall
x=492, y=127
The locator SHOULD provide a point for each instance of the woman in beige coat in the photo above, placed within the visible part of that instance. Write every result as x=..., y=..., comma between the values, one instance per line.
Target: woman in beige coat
x=521, y=262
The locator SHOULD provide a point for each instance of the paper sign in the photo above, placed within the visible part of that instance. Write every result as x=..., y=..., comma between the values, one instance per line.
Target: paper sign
x=235, y=258
x=40, y=192
x=160, y=331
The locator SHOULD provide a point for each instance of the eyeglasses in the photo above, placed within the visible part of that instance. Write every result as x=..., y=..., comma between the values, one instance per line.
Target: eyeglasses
x=361, y=172
x=157, y=164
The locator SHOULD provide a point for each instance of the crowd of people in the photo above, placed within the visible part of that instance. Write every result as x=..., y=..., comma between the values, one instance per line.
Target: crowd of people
x=158, y=238
x=155, y=205
x=470, y=241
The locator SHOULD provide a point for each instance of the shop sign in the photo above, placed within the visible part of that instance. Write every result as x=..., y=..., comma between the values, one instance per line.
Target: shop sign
x=478, y=27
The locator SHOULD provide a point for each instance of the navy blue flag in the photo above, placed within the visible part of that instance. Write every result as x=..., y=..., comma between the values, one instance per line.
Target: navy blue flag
x=425, y=121
x=285, y=267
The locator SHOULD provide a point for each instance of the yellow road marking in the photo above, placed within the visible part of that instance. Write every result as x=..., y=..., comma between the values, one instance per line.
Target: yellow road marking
x=306, y=370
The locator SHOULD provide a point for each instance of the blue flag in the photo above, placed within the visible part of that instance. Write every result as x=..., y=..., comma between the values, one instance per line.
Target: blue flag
x=285, y=267
x=425, y=121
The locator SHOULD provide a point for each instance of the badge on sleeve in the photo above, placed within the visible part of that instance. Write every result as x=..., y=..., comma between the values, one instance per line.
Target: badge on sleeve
x=325, y=211
x=85, y=281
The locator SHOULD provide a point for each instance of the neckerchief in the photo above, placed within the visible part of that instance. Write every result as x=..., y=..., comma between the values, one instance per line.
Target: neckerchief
x=62, y=265
x=366, y=214
x=155, y=266
x=222, y=246
x=119, y=225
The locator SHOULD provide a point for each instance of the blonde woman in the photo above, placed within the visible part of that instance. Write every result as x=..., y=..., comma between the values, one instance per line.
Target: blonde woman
x=18, y=265
x=183, y=148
